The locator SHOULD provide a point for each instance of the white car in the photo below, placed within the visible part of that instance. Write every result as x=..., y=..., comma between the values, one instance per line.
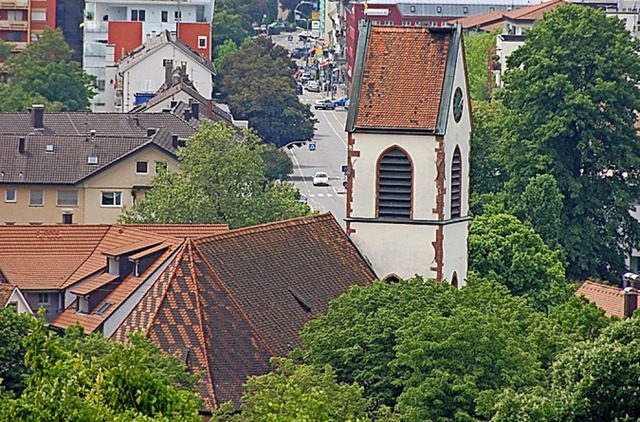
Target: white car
x=313, y=86
x=320, y=179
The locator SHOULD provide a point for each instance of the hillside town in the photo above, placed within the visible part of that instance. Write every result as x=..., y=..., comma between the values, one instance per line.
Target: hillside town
x=312, y=210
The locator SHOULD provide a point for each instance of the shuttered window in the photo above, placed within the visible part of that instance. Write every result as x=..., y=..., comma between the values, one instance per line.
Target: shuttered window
x=394, y=185
x=456, y=184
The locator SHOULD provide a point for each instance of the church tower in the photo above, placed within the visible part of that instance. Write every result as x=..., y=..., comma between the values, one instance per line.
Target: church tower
x=409, y=129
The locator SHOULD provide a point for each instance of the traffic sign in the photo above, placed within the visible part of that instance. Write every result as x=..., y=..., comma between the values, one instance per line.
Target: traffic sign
x=345, y=169
x=312, y=146
x=290, y=38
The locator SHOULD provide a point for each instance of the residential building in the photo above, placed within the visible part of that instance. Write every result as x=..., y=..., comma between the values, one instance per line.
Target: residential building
x=225, y=301
x=161, y=62
x=613, y=300
x=409, y=129
x=126, y=25
x=69, y=18
x=22, y=21
x=12, y=297
x=82, y=168
x=412, y=13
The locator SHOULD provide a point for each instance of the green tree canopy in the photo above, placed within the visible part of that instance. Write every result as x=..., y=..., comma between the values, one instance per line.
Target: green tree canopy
x=258, y=84
x=574, y=85
x=44, y=73
x=478, y=49
x=13, y=329
x=92, y=379
x=296, y=392
x=222, y=179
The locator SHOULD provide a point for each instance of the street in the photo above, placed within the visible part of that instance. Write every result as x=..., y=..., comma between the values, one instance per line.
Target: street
x=329, y=156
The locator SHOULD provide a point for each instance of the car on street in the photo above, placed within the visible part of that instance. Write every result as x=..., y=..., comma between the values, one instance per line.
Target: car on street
x=340, y=102
x=346, y=104
x=313, y=86
x=297, y=53
x=299, y=89
x=320, y=178
x=324, y=105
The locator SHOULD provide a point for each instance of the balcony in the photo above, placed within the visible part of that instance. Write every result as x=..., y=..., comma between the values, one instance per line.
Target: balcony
x=18, y=46
x=96, y=27
x=13, y=25
x=13, y=5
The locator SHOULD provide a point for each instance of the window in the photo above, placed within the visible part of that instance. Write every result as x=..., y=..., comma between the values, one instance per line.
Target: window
x=456, y=184
x=14, y=36
x=439, y=9
x=375, y=23
x=111, y=199
x=15, y=15
x=388, y=23
x=67, y=218
x=10, y=195
x=142, y=167
x=36, y=198
x=164, y=16
x=102, y=309
x=412, y=9
x=138, y=15
x=465, y=9
x=43, y=298
x=406, y=23
x=39, y=15
x=454, y=280
x=68, y=198
x=177, y=15
x=394, y=185
x=202, y=42
x=161, y=166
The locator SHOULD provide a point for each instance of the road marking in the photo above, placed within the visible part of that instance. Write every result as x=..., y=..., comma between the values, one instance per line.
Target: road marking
x=311, y=195
x=320, y=195
x=335, y=131
x=329, y=195
x=304, y=180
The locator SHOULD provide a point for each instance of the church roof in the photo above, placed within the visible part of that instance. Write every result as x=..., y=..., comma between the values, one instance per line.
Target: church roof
x=403, y=78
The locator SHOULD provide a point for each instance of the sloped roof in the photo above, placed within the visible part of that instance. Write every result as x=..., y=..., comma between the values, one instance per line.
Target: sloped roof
x=193, y=231
x=401, y=78
x=233, y=300
x=6, y=290
x=484, y=21
x=155, y=44
x=608, y=298
x=534, y=12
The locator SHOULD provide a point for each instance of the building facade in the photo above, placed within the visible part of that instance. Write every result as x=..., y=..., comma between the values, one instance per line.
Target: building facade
x=22, y=21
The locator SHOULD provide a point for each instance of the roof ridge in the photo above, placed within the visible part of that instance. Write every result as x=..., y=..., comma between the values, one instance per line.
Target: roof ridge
x=602, y=287
x=234, y=301
x=528, y=9
x=191, y=252
x=264, y=227
x=93, y=250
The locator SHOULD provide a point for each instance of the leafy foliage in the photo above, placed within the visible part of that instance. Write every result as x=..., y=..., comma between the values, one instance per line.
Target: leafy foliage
x=477, y=49
x=94, y=379
x=44, y=73
x=294, y=392
x=222, y=180
x=503, y=249
x=13, y=329
x=574, y=86
x=258, y=84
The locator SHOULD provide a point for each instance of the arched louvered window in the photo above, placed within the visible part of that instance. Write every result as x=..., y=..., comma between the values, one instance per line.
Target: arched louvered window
x=394, y=185
x=454, y=280
x=456, y=184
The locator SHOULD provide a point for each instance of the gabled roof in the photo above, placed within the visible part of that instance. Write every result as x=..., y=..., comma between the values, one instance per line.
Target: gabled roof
x=154, y=44
x=6, y=290
x=193, y=231
x=608, y=298
x=403, y=78
x=231, y=301
x=483, y=21
x=534, y=12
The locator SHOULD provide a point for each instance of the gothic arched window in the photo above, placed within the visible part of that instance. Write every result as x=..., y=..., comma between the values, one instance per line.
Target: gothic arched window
x=456, y=184
x=394, y=185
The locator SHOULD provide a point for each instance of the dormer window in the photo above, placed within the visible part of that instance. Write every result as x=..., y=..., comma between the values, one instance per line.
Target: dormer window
x=113, y=265
x=83, y=304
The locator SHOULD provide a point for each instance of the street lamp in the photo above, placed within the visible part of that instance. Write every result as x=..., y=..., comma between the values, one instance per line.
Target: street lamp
x=296, y=12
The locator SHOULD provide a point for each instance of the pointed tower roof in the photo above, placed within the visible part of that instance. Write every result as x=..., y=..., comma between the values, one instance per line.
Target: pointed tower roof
x=403, y=78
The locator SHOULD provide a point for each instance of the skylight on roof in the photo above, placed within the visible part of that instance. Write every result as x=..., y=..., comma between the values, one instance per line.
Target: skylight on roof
x=92, y=159
x=49, y=148
x=104, y=308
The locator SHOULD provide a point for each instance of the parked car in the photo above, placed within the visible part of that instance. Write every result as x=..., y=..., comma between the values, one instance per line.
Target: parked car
x=297, y=53
x=324, y=105
x=299, y=89
x=346, y=105
x=340, y=102
x=320, y=179
x=313, y=86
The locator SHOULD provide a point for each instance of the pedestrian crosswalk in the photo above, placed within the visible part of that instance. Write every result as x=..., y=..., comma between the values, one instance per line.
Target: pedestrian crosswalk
x=320, y=195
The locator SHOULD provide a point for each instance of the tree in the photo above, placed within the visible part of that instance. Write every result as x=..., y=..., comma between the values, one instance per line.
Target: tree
x=503, y=249
x=592, y=381
x=478, y=48
x=574, y=86
x=44, y=73
x=222, y=50
x=104, y=381
x=541, y=206
x=13, y=329
x=222, y=180
x=258, y=84
x=297, y=392
x=227, y=28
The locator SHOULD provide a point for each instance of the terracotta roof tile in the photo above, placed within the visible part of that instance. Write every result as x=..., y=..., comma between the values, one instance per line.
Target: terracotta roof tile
x=94, y=284
x=608, y=298
x=482, y=20
x=193, y=231
x=402, y=78
x=533, y=12
x=6, y=290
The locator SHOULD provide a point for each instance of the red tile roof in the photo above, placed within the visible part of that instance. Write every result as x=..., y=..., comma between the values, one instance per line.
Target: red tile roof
x=485, y=21
x=192, y=231
x=533, y=12
x=233, y=300
x=402, y=78
x=94, y=284
x=608, y=298
x=6, y=290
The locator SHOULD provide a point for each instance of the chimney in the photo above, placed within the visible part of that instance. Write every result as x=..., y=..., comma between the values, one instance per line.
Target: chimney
x=174, y=141
x=630, y=301
x=186, y=114
x=21, y=145
x=168, y=71
x=630, y=279
x=92, y=132
x=136, y=121
x=151, y=131
x=37, y=116
x=195, y=110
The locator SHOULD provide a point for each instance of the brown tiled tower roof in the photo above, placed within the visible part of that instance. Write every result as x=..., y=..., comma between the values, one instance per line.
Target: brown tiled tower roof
x=402, y=75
